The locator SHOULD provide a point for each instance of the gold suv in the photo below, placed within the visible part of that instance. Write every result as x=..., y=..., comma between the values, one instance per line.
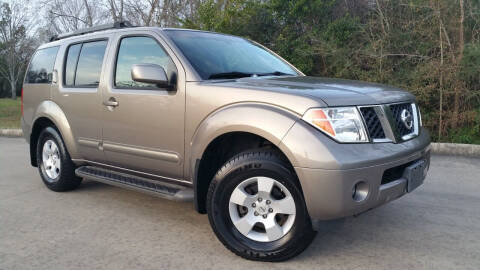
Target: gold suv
x=222, y=121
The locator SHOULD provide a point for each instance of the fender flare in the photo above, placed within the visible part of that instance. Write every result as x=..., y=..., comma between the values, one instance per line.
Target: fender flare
x=265, y=120
x=50, y=110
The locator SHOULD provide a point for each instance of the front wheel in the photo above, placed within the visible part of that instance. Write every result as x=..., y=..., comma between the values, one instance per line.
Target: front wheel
x=256, y=208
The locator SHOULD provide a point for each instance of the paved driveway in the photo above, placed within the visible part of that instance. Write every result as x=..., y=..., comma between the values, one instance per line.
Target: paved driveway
x=102, y=227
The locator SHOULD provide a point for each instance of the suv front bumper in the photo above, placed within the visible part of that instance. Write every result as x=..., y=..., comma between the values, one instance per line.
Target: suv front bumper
x=328, y=171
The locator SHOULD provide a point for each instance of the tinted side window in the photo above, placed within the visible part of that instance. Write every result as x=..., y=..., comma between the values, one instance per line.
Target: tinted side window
x=89, y=64
x=71, y=64
x=41, y=66
x=140, y=50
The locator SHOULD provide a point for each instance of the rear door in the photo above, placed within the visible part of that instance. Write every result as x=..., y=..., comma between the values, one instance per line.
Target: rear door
x=77, y=93
x=145, y=131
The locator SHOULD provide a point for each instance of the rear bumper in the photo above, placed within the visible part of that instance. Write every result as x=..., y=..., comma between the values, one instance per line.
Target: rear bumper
x=328, y=188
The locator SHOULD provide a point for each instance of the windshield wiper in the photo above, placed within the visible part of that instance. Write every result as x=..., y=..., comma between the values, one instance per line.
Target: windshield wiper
x=238, y=74
x=230, y=75
x=275, y=73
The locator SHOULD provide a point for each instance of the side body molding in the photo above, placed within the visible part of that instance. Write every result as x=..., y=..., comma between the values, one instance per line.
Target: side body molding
x=265, y=120
x=52, y=111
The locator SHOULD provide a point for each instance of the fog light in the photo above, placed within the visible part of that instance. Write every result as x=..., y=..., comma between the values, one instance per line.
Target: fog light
x=360, y=191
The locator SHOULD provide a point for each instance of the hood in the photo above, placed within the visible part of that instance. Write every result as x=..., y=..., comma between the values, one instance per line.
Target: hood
x=333, y=92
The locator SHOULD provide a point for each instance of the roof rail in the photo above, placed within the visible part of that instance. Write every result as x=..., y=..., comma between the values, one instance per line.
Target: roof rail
x=115, y=25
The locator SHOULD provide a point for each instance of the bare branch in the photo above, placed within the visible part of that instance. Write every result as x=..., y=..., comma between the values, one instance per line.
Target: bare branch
x=69, y=16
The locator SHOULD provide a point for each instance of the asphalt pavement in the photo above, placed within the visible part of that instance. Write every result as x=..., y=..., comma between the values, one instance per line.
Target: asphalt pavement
x=99, y=226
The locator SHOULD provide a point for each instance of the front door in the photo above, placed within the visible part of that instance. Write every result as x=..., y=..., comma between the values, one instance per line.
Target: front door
x=143, y=127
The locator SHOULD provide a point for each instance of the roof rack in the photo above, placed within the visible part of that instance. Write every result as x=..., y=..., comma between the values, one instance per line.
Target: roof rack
x=115, y=25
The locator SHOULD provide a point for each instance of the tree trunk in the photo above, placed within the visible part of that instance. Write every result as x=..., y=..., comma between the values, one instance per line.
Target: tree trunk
x=461, y=45
x=440, y=37
x=153, y=7
x=461, y=31
x=89, y=13
x=440, y=122
x=113, y=10
x=163, y=16
x=13, y=89
x=121, y=10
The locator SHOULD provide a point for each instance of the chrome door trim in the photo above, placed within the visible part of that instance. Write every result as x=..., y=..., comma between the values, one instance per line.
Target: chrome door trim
x=141, y=152
x=91, y=143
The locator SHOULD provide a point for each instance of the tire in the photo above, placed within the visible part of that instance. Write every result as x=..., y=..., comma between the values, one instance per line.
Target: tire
x=226, y=216
x=58, y=172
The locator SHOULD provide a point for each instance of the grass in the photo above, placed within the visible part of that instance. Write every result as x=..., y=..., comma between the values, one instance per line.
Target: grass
x=10, y=113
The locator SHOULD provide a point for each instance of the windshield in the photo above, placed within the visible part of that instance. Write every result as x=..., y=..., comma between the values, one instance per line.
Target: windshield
x=216, y=56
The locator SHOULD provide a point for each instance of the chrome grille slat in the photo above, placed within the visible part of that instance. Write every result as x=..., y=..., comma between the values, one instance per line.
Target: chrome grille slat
x=372, y=121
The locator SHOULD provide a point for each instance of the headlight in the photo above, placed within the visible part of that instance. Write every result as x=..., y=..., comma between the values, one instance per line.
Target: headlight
x=342, y=124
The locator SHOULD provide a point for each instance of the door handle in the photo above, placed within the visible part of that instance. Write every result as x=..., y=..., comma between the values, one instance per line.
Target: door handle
x=111, y=102
x=54, y=76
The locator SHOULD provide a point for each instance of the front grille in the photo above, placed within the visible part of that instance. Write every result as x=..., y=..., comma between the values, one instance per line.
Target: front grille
x=384, y=123
x=373, y=123
x=397, y=110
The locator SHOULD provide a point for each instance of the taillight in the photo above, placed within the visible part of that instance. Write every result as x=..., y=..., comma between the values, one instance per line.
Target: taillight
x=21, y=99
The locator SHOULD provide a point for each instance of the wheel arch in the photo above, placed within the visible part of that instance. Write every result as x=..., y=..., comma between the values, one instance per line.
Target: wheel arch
x=50, y=114
x=231, y=130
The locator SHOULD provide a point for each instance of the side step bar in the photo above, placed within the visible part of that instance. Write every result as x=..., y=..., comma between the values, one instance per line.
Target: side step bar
x=152, y=187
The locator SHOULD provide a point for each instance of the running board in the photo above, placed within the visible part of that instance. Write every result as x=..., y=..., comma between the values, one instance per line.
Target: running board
x=152, y=187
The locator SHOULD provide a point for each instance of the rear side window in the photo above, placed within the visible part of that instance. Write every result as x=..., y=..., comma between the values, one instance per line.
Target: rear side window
x=83, y=64
x=41, y=66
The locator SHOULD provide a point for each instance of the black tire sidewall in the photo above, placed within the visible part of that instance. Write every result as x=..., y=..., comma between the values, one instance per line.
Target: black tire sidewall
x=218, y=207
x=66, y=174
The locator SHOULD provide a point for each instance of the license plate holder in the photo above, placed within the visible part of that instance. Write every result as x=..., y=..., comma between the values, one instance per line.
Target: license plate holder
x=415, y=174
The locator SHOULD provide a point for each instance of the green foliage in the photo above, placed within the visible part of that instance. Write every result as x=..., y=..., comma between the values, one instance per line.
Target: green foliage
x=470, y=66
x=467, y=134
x=342, y=31
x=396, y=42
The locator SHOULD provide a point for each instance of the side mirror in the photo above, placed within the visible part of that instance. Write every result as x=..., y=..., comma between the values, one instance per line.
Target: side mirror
x=150, y=73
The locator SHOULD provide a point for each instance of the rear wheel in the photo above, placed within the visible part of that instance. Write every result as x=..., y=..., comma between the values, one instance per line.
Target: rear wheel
x=256, y=208
x=54, y=163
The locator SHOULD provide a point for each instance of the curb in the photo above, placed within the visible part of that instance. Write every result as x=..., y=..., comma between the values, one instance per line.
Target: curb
x=11, y=133
x=455, y=149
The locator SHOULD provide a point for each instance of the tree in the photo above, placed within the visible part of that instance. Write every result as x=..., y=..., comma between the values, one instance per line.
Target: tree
x=67, y=16
x=141, y=12
x=116, y=9
x=15, y=47
x=430, y=47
